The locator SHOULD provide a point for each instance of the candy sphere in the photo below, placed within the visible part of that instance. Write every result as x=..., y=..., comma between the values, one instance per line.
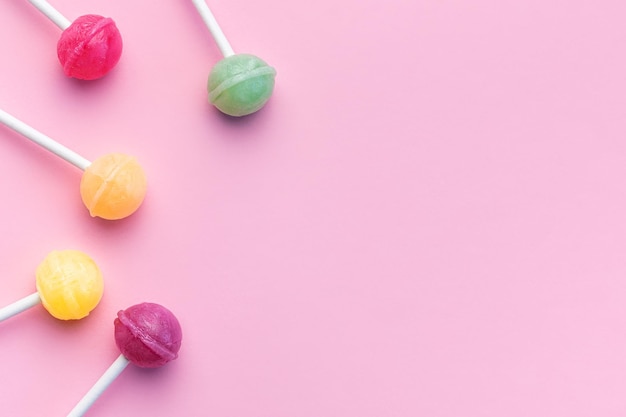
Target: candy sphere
x=240, y=84
x=90, y=47
x=148, y=335
x=113, y=186
x=69, y=284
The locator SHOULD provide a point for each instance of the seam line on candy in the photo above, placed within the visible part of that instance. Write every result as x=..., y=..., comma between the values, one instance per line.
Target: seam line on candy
x=148, y=341
x=237, y=79
x=105, y=181
x=69, y=63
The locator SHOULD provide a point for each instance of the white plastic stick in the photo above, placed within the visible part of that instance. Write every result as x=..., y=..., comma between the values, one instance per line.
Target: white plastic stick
x=19, y=306
x=43, y=140
x=51, y=13
x=99, y=387
x=214, y=27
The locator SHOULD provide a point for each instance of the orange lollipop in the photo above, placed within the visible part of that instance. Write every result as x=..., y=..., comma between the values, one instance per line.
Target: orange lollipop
x=112, y=187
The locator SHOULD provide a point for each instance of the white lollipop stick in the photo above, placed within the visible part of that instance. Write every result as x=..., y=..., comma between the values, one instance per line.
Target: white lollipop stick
x=44, y=141
x=51, y=13
x=19, y=306
x=100, y=386
x=214, y=27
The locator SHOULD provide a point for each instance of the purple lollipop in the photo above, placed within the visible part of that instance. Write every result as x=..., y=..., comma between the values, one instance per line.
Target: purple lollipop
x=148, y=335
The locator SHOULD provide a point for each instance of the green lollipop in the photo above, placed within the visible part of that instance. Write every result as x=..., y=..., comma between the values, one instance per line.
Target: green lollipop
x=239, y=84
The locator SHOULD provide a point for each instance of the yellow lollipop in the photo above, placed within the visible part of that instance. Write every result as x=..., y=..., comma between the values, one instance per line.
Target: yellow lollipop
x=69, y=285
x=112, y=187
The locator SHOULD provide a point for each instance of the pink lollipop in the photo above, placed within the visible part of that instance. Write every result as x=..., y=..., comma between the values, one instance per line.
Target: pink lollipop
x=148, y=335
x=89, y=47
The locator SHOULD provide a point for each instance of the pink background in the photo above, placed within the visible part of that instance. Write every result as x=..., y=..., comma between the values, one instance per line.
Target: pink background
x=427, y=219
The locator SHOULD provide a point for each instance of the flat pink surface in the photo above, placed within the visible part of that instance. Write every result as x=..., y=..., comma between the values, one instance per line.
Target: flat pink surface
x=427, y=219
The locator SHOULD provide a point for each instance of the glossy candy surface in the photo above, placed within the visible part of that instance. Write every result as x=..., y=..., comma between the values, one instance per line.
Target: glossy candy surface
x=69, y=284
x=90, y=47
x=240, y=84
x=148, y=335
x=113, y=186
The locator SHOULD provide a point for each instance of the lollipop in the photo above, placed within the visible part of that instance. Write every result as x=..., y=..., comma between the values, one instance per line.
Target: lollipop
x=112, y=187
x=89, y=47
x=69, y=285
x=239, y=84
x=148, y=335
